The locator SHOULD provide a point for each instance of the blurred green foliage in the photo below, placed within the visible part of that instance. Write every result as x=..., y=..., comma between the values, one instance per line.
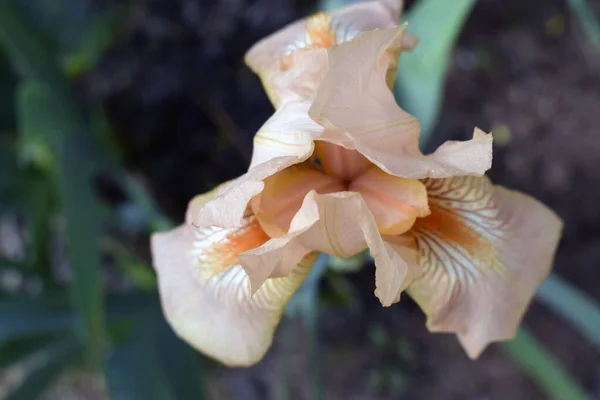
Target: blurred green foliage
x=53, y=146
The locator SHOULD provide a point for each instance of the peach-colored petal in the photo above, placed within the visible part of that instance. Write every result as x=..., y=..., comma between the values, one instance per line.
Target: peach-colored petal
x=284, y=193
x=354, y=97
x=395, y=202
x=484, y=250
x=269, y=58
x=204, y=291
x=200, y=200
x=288, y=133
x=339, y=224
x=284, y=140
x=340, y=162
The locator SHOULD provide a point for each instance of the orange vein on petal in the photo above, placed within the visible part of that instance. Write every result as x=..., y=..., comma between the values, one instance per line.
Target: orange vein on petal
x=224, y=253
x=319, y=32
x=452, y=230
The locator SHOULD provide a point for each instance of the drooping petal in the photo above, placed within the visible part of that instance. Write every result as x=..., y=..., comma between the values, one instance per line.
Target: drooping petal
x=204, y=291
x=395, y=202
x=354, y=97
x=339, y=224
x=484, y=250
x=284, y=193
x=269, y=57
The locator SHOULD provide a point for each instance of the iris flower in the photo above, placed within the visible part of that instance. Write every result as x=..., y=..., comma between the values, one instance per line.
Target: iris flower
x=337, y=169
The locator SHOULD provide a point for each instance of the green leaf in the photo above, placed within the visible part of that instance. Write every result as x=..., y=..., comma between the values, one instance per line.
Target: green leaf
x=29, y=316
x=586, y=16
x=8, y=82
x=42, y=114
x=574, y=306
x=18, y=349
x=180, y=364
x=55, y=358
x=138, y=271
x=306, y=303
x=27, y=48
x=133, y=371
x=422, y=74
x=152, y=363
x=332, y=5
x=544, y=369
x=83, y=217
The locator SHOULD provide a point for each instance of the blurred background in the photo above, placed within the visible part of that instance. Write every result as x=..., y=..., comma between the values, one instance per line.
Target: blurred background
x=115, y=113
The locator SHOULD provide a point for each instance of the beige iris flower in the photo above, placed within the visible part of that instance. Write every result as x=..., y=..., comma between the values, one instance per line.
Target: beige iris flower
x=337, y=169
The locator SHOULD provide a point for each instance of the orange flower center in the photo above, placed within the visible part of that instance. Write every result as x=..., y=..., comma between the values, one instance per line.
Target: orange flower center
x=395, y=202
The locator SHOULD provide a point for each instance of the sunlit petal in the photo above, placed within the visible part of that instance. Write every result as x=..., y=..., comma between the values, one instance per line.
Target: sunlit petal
x=355, y=97
x=204, y=291
x=339, y=224
x=484, y=250
x=395, y=202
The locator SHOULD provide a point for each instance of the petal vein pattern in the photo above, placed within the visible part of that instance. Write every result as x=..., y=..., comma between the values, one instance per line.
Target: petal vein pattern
x=205, y=296
x=484, y=251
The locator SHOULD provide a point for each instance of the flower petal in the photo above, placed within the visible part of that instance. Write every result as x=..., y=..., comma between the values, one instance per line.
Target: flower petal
x=204, y=291
x=354, y=97
x=485, y=250
x=286, y=139
x=339, y=224
x=268, y=57
x=288, y=133
x=284, y=192
x=395, y=202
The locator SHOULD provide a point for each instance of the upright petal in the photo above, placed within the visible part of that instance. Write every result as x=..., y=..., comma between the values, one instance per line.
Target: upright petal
x=204, y=291
x=268, y=57
x=355, y=97
x=288, y=133
x=484, y=250
x=339, y=224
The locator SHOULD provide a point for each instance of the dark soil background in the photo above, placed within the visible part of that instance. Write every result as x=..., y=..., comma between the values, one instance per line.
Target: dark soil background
x=185, y=109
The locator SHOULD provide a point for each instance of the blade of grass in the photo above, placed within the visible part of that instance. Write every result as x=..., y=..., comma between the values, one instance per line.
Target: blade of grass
x=56, y=358
x=544, y=369
x=574, y=306
x=585, y=14
x=422, y=74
